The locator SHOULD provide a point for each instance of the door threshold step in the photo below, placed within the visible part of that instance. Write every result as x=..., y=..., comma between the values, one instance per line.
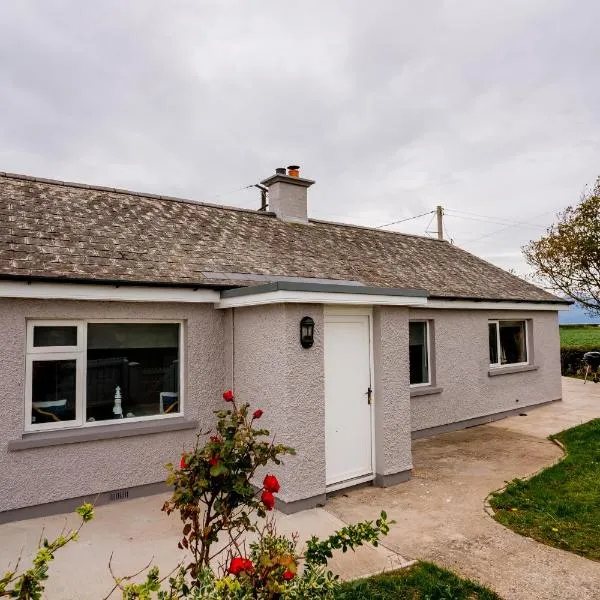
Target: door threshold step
x=349, y=483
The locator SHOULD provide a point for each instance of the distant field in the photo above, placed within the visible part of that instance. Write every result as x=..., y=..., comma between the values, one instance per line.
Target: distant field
x=584, y=336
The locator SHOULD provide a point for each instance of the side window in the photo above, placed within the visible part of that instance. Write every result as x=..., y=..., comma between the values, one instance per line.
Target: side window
x=508, y=343
x=419, y=353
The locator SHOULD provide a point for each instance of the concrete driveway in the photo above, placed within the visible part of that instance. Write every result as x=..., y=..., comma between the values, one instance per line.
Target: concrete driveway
x=440, y=513
x=440, y=517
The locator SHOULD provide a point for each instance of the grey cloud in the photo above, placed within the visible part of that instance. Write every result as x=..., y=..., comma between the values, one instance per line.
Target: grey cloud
x=393, y=106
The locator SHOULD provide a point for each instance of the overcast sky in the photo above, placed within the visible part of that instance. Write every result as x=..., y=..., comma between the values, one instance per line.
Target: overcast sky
x=393, y=106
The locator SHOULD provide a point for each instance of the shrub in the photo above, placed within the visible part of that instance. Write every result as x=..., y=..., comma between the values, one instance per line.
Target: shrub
x=212, y=488
x=571, y=359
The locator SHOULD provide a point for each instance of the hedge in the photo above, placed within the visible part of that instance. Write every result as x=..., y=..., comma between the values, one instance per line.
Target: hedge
x=571, y=358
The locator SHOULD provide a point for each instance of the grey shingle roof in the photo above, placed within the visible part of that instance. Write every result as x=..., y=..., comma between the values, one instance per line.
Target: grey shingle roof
x=54, y=229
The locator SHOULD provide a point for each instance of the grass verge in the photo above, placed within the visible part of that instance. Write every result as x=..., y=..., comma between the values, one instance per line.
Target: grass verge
x=423, y=581
x=561, y=505
x=588, y=337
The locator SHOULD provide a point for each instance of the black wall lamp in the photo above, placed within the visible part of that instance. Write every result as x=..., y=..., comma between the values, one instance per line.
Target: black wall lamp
x=307, y=332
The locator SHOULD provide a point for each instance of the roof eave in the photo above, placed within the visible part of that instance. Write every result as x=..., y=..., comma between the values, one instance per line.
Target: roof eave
x=114, y=282
x=553, y=300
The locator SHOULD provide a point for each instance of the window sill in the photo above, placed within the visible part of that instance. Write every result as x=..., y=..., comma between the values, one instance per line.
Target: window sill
x=101, y=432
x=508, y=369
x=425, y=391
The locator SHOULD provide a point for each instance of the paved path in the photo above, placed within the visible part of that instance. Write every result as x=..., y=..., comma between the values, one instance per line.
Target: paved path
x=440, y=514
x=138, y=532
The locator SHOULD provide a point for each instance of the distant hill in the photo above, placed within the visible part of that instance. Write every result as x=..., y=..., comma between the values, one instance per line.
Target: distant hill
x=576, y=314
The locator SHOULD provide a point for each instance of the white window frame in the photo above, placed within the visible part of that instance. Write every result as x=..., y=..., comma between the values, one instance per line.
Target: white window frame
x=428, y=343
x=499, y=365
x=79, y=354
x=31, y=349
x=79, y=369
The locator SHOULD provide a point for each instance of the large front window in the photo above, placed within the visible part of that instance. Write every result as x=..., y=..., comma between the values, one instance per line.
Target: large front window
x=507, y=342
x=418, y=345
x=81, y=373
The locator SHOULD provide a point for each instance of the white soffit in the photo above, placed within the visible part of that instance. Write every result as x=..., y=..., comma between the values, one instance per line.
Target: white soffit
x=491, y=305
x=123, y=293
x=300, y=297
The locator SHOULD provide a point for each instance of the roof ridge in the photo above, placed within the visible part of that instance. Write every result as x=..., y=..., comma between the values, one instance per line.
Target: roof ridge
x=101, y=188
x=379, y=229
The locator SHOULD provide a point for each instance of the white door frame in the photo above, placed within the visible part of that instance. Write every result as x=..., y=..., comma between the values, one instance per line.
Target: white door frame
x=359, y=311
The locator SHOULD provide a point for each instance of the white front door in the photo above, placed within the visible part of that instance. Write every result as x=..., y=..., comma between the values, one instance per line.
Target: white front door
x=348, y=441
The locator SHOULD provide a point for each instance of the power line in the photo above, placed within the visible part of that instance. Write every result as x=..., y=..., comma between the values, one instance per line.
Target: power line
x=246, y=187
x=427, y=232
x=448, y=237
x=403, y=220
x=503, y=229
x=486, y=219
x=464, y=212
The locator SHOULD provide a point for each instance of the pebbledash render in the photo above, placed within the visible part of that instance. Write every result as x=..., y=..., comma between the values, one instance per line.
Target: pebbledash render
x=125, y=316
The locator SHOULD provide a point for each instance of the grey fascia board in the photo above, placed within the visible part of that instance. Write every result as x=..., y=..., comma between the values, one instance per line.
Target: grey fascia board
x=555, y=300
x=329, y=288
x=59, y=437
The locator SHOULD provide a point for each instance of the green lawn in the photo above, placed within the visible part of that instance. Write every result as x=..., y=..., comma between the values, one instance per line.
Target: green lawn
x=561, y=505
x=583, y=336
x=424, y=581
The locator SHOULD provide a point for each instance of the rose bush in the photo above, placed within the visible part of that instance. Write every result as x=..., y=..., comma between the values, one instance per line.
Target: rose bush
x=216, y=499
x=212, y=488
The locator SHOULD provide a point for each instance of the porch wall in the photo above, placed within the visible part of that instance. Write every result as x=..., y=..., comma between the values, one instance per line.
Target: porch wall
x=41, y=475
x=273, y=372
x=461, y=365
x=393, y=456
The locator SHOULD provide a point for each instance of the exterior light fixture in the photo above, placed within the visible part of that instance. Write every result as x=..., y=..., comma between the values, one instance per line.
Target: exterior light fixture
x=307, y=332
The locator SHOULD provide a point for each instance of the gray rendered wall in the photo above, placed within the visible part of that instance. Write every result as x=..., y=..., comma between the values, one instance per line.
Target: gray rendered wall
x=274, y=373
x=288, y=201
x=392, y=394
x=41, y=475
x=462, y=365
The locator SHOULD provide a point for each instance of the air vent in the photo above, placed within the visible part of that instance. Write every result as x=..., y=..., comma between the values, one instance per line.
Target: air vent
x=119, y=495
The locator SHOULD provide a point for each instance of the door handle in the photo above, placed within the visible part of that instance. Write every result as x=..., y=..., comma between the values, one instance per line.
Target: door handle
x=369, y=395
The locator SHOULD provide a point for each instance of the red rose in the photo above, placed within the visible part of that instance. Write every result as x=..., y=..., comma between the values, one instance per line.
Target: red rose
x=287, y=575
x=182, y=462
x=228, y=396
x=271, y=484
x=214, y=460
x=248, y=566
x=257, y=414
x=239, y=564
x=215, y=439
x=268, y=499
x=236, y=566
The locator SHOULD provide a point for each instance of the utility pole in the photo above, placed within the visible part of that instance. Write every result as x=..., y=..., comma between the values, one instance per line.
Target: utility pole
x=439, y=211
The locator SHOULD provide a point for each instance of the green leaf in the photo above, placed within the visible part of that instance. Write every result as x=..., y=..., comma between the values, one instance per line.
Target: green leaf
x=218, y=469
x=86, y=512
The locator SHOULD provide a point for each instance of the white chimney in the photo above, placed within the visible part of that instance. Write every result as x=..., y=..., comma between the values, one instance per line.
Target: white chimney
x=288, y=194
